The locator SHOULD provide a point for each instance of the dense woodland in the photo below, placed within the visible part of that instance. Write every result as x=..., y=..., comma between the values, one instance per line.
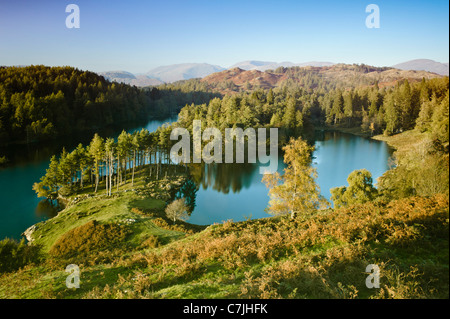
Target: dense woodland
x=39, y=103
x=106, y=159
x=296, y=112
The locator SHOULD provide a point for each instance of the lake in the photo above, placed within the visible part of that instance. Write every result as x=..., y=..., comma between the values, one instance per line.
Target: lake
x=225, y=191
x=235, y=191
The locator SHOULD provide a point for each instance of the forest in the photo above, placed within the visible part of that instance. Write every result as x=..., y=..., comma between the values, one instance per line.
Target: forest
x=106, y=159
x=422, y=106
x=297, y=111
x=40, y=103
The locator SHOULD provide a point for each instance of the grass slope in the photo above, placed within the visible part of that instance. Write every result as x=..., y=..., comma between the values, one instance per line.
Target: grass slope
x=319, y=256
x=323, y=255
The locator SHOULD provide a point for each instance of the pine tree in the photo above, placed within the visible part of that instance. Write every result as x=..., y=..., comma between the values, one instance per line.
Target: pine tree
x=289, y=114
x=270, y=97
x=50, y=182
x=109, y=160
x=337, y=108
x=348, y=107
x=123, y=146
x=424, y=120
x=392, y=116
x=83, y=160
x=97, y=149
x=439, y=125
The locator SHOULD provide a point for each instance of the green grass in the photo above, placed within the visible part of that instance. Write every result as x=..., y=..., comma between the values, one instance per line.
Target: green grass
x=404, y=143
x=320, y=256
x=116, y=209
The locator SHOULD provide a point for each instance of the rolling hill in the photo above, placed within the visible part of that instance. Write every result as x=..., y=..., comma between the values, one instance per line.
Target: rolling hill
x=342, y=75
x=424, y=65
x=130, y=78
x=264, y=65
x=184, y=71
x=414, y=69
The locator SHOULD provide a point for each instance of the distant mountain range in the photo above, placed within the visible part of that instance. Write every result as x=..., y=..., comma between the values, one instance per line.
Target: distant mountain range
x=130, y=78
x=164, y=74
x=186, y=71
x=264, y=66
x=424, y=65
x=343, y=75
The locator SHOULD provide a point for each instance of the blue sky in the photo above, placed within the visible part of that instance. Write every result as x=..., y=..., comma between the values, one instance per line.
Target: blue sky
x=137, y=36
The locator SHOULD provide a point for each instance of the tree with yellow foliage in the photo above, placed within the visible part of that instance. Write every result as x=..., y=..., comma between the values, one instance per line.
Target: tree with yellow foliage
x=295, y=191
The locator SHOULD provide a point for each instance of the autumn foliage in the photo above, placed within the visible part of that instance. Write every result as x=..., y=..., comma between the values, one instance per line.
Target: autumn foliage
x=324, y=255
x=87, y=238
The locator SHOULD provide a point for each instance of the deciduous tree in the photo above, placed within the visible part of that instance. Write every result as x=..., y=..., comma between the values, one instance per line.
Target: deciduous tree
x=295, y=191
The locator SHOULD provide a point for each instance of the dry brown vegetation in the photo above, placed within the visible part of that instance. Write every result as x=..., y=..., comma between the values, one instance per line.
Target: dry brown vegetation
x=323, y=256
x=342, y=73
x=87, y=238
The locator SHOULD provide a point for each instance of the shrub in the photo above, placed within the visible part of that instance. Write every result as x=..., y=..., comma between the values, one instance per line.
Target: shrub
x=151, y=242
x=324, y=255
x=89, y=237
x=181, y=227
x=3, y=160
x=15, y=255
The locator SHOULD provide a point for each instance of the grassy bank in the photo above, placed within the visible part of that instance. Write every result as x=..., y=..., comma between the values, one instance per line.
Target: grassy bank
x=126, y=248
x=322, y=256
x=404, y=143
x=349, y=130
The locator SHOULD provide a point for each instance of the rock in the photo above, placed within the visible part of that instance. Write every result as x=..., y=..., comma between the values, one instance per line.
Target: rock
x=130, y=221
x=28, y=232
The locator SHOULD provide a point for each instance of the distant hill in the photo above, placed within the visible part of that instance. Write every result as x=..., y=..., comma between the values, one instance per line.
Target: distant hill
x=130, y=78
x=265, y=65
x=315, y=63
x=337, y=75
x=163, y=74
x=240, y=77
x=259, y=65
x=184, y=71
x=424, y=65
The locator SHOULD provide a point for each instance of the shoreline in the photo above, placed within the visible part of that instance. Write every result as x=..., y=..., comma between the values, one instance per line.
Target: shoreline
x=349, y=130
x=71, y=200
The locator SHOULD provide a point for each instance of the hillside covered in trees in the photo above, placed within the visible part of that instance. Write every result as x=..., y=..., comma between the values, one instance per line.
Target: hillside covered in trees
x=40, y=103
x=297, y=111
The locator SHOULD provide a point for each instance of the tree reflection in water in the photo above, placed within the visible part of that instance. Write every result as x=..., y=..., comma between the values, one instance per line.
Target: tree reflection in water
x=47, y=209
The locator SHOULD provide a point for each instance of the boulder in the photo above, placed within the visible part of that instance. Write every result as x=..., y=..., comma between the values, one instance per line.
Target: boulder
x=28, y=232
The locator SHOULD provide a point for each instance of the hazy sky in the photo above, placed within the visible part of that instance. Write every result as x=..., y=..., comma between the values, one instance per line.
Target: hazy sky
x=137, y=36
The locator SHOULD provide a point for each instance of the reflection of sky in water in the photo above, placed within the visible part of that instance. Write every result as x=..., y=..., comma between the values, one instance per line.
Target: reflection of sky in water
x=335, y=157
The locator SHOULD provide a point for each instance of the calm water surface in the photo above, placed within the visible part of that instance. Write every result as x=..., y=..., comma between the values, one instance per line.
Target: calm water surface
x=235, y=191
x=225, y=191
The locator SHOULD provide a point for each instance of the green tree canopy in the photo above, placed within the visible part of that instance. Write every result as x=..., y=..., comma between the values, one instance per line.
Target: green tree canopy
x=359, y=190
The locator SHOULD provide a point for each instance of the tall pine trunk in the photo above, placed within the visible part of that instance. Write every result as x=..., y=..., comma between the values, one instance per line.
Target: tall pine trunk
x=134, y=164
